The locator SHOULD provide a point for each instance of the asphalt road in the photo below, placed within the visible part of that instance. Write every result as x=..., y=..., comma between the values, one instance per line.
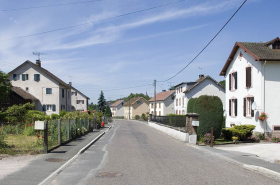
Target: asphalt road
x=134, y=153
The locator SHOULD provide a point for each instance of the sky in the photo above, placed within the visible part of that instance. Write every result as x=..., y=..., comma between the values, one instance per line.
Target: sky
x=118, y=54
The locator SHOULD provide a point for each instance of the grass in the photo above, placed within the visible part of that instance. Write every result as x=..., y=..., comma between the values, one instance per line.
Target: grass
x=21, y=144
x=222, y=141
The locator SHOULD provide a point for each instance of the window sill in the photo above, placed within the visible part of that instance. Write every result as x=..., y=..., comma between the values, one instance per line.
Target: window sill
x=250, y=117
x=233, y=116
x=233, y=90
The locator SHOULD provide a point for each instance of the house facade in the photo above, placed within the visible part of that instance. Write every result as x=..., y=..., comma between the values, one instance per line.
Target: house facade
x=164, y=103
x=52, y=93
x=117, y=108
x=253, y=78
x=79, y=101
x=135, y=106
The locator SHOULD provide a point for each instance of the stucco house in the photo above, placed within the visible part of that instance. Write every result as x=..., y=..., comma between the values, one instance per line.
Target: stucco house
x=252, y=75
x=164, y=103
x=205, y=85
x=52, y=94
x=117, y=108
x=135, y=106
x=79, y=101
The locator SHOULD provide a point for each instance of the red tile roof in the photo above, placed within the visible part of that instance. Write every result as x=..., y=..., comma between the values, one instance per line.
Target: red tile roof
x=162, y=95
x=116, y=103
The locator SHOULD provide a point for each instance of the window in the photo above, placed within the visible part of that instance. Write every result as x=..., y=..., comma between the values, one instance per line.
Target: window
x=16, y=77
x=24, y=77
x=247, y=107
x=159, y=113
x=26, y=89
x=248, y=77
x=62, y=107
x=176, y=112
x=37, y=77
x=179, y=101
x=159, y=105
x=176, y=102
x=139, y=102
x=48, y=90
x=49, y=107
x=179, y=112
x=152, y=105
x=183, y=112
x=182, y=101
x=181, y=89
x=233, y=107
x=68, y=94
x=72, y=93
x=62, y=93
x=233, y=81
x=80, y=101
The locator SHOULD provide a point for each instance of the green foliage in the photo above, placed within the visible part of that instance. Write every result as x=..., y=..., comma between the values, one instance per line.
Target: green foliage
x=136, y=95
x=175, y=115
x=76, y=115
x=144, y=117
x=108, y=112
x=92, y=107
x=98, y=115
x=224, y=122
x=191, y=104
x=5, y=87
x=260, y=136
x=223, y=83
x=62, y=113
x=29, y=131
x=101, y=103
x=2, y=139
x=37, y=115
x=17, y=113
x=54, y=116
x=275, y=139
x=171, y=88
x=240, y=131
x=210, y=109
x=137, y=117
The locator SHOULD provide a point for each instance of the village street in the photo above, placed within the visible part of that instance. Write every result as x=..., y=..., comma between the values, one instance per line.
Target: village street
x=133, y=153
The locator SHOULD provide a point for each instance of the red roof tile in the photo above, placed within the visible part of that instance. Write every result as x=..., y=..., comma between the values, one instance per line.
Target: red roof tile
x=162, y=95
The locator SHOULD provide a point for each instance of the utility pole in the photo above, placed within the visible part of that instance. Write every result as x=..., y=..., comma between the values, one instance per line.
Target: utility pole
x=128, y=109
x=155, y=92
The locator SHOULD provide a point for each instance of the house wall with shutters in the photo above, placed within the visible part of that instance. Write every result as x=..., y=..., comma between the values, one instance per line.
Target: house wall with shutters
x=159, y=107
x=38, y=88
x=66, y=101
x=240, y=62
x=179, y=96
x=76, y=106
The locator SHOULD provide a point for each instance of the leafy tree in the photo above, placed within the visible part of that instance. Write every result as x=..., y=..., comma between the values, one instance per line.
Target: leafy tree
x=223, y=83
x=5, y=87
x=92, y=107
x=108, y=112
x=101, y=103
x=171, y=88
x=17, y=113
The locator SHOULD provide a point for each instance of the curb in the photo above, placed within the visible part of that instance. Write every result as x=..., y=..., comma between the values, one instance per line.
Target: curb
x=258, y=169
x=59, y=170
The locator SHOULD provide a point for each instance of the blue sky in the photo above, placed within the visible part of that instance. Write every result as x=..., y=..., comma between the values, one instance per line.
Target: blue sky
x=135, y=49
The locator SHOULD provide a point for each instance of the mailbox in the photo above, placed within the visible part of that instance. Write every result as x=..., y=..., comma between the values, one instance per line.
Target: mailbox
x=195, y=123
x=39, y=125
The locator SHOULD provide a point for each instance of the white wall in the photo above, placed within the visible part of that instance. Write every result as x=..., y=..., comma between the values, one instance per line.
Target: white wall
x=79, y=106
x=180, y=95
x=120, y=109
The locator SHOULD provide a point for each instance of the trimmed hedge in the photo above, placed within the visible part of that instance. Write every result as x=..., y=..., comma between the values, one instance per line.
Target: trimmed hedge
x=240, y=131
x=191, y=104
x=210, y=110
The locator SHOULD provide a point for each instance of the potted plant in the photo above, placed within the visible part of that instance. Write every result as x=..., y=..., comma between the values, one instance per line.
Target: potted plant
x=234, y=139
x=263, y=116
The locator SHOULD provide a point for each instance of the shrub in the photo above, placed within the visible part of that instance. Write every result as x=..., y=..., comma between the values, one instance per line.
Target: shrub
x=210, y=110
x=275, y=139
x=2, y=139
x=144, y=117
x=224, y=122
x=137, y=117
x=261, y=136
x=190, y=106
x=207, y=138
x=240, y=131
x=172, y=115
x=54, y=116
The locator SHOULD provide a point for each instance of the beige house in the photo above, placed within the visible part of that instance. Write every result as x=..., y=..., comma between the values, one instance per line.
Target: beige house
x=164, y=103
x=79, y=101
x=136, y=106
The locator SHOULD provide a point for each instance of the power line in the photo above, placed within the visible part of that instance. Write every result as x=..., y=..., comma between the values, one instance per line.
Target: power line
x=105, y=19
x=206, y=44
x=47, y=6
x=121, y=88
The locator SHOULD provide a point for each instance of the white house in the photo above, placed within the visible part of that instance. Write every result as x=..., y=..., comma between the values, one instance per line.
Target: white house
x=252, y=73
x=164, y=103
x=117, y=108
x=79, y=101
x=202, y=86
x=52, y=93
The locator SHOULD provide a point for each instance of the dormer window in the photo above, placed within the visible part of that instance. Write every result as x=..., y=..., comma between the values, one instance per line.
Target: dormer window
x=276, y=45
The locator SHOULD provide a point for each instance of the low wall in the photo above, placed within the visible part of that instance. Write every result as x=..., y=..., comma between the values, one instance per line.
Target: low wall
x=171, y=132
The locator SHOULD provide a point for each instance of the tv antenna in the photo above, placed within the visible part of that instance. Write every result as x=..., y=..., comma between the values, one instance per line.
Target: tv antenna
x=200, y=68
x=38, y=54
x=70, y=78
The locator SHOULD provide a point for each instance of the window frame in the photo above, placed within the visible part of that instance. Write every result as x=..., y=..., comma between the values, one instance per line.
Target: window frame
x=247, y=85
x=233, y=107
x=233, y=81
x=47, y=88
x=248, y=112
x=49, y=106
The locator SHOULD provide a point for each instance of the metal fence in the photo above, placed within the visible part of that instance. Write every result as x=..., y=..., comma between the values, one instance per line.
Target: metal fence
x=174, y=121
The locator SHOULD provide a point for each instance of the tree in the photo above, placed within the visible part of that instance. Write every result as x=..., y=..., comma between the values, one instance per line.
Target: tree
x=223, y=83
x=101, y=103
x=108, y=112
x=5, y=87
x=171, y=88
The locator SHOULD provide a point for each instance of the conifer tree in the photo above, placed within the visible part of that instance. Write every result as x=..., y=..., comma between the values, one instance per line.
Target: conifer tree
x=101, y=103
x=108, y=112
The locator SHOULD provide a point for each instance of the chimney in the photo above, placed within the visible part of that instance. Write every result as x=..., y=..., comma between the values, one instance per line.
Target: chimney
x=201, y=76
x=38, y=63
x=163, y=90
x=70, y=83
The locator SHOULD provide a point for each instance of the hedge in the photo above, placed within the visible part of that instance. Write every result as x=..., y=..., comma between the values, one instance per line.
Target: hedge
x=190, y=106
x=240, y=131
x=210, y=110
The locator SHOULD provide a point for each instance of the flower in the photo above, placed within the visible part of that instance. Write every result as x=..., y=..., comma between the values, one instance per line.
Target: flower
x=38, y=136
x=42, y=136
x=28, y=125
x=263, y=116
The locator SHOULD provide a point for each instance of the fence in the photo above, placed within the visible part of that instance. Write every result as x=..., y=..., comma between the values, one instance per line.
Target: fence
x=174, y=121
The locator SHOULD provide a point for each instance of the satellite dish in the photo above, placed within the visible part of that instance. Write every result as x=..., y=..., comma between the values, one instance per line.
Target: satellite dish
x=254, y=105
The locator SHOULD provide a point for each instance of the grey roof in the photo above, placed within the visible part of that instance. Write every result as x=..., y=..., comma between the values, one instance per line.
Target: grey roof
x=25, y=95
x=183, y=83
x=201, y=80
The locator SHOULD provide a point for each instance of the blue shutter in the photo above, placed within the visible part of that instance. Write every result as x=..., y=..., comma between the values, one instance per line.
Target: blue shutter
x=35, y=77
x=38, y=77
x=44, y=107
x=23, y=77
x=53, y=107
x=15, y=77
x=235, y=79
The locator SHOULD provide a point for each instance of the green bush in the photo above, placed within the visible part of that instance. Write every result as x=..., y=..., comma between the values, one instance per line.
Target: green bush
x=191, y=104
x=144, y=117
x=2, y=139
x=29, y=131
x=261, y=136
x=54, y=116
x=240, y=131
x=210, y=109
x=224, y=122
x=137, y=117
x=172, y=115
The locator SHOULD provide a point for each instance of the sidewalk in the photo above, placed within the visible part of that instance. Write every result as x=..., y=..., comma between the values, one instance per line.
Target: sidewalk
x=45, y=164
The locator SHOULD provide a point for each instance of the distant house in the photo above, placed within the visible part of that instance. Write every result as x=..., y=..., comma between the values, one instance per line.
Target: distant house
x=79, y=101
x=52, y=93
x=252, y=73
x=136, y=106
x=164, y=103
x=205, y=85
x=117, y=108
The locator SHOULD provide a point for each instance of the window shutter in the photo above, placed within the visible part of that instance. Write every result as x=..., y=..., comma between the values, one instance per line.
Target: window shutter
x=244, y=108
x=235, y=79
x=252, y=111
x=230, y=107
x=23, y=77
x=83, y=101
x=77, y=101
x=62, y=93
x=235, y=107
x=249, y=77
x=15, y=77
x=38, y=77
x=229, y=82
x=35, y=77
x=53, y=107
x=44, y=107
